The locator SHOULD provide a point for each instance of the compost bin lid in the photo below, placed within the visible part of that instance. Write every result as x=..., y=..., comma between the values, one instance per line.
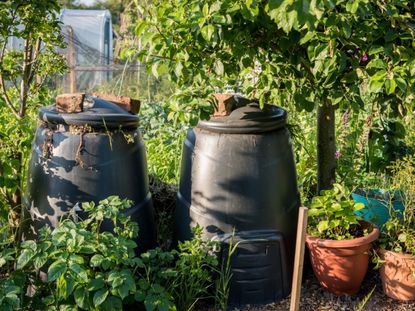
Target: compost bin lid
x=96, y=113
x=247, y=119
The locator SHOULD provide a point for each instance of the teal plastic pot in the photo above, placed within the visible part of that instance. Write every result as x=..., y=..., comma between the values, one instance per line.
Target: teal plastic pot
x=377, y=203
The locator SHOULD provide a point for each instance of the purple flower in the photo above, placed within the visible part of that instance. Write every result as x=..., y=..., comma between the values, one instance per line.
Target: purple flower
x=362, y=57
x=338, y=154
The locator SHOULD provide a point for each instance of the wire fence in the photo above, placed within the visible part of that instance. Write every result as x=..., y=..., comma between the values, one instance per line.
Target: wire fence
x=91, y=70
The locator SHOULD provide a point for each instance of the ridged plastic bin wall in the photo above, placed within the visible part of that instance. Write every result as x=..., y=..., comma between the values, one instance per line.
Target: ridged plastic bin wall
x=87, y=156
x=238, y=173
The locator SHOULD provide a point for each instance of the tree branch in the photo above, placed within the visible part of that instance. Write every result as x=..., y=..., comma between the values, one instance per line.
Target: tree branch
x=6, y=97
x=33, y=62
x=24, y=85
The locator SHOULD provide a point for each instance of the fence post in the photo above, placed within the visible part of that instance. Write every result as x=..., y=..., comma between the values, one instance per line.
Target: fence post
x=72, y=62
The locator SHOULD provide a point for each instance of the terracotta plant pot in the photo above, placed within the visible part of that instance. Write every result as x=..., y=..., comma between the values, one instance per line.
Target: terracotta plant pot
x=340, y=266
x=397, y=273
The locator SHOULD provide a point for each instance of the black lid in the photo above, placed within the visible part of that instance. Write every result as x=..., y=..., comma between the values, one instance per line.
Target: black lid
x=247, y=119
x=97, y=113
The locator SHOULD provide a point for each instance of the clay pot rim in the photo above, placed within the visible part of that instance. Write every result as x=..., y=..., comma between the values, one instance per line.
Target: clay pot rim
x=383, y=251
x=372, y=236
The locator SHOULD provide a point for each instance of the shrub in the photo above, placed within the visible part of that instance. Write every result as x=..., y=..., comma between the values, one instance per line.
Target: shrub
x=76, y=266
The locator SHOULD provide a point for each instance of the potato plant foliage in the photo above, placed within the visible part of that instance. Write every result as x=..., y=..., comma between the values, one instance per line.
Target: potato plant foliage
x=77, y=267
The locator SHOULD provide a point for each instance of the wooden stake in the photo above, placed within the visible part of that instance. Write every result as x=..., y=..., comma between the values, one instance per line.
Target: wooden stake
x=72, y=62
x=299, y=259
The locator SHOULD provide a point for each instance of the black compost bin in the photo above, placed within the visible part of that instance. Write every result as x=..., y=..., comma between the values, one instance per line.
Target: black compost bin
x=88, y=156
x=238, y=173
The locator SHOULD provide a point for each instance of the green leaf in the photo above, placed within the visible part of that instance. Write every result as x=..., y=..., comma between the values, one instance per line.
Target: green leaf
x=352, y=6
x=379, y=75
x=112, y=304
x=347, y=30
x=76, y=259
x=141, y=26
x=96, y=284
x=207, y=32
x=402, y=237
x=81, y=297
x=178, y=69
x=205, y=9
x=87, y=249
x=358, y=206
x=106, y=264
x=80, y=272
x=29, y=244
x=123, y=290
x=390, y=86
x=65, y=286
x=56, y=269
x=100, y=296
x=336, y=207
x=24, y=258
x=96, y=260
x=219, y=69
x=375, y=86
x=376, y=49
x=376, y=63
x=322, y=226
x=402, y=85
x=308, y=36
x=313, y=212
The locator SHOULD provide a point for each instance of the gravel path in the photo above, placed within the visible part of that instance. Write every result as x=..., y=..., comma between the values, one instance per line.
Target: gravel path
x=314, y=298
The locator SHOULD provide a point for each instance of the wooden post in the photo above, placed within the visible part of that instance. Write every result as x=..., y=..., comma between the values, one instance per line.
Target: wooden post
x=299, y=259
x=72, y=62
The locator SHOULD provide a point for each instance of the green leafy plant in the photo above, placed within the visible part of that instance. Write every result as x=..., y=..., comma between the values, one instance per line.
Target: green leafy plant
x=164, y=127
x=156, y=280
x=30, y=35
x=77, y=266
x=179, y=278
x=362, y=304
x=86, y=268
x=332, y=215
x=399, y=230
x=163, y=140
x=320, y=55
x=196, y=259
x=222, y=285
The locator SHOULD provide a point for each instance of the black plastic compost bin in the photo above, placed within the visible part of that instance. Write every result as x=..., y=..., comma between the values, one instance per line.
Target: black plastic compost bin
x=238, y=173
x=87, y=156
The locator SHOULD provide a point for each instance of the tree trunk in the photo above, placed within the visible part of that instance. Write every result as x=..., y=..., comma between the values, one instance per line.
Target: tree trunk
x=326, y=146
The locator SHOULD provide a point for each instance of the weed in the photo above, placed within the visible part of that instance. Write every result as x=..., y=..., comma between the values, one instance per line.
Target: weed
x=365, y=300
x=222, y=285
